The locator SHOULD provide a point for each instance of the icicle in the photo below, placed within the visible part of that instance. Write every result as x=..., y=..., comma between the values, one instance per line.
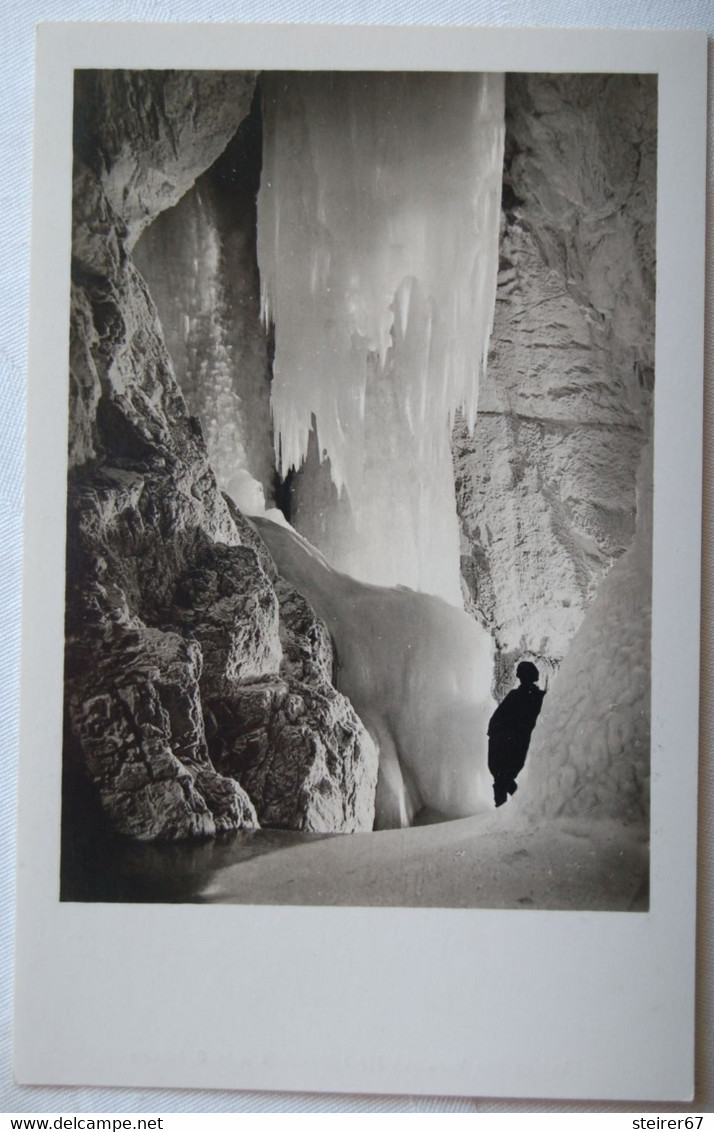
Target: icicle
x=378, y=221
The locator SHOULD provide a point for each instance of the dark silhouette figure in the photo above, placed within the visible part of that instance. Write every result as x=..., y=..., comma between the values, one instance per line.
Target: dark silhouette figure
x=510, y=729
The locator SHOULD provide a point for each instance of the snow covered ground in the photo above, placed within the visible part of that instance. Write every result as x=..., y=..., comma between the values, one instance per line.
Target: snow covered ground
x=472, y=863
x=492, y=860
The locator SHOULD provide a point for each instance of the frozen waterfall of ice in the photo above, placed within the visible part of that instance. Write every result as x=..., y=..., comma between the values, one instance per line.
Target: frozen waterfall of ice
x=418, y=673
x=378, y=219
x=190, y=257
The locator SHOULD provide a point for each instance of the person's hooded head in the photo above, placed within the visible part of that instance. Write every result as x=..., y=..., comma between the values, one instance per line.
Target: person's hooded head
x=527, y=672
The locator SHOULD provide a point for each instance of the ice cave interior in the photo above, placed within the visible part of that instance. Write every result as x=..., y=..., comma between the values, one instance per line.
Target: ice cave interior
x=414, y=315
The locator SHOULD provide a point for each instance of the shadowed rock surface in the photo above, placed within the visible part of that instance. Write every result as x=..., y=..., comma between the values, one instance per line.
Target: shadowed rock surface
x=147, y=135
x=175, y=615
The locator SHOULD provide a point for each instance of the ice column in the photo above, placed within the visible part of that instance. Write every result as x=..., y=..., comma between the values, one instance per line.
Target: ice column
x=378, y=220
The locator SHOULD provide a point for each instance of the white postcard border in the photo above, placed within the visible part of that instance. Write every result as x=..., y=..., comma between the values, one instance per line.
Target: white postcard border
x=369, y=1000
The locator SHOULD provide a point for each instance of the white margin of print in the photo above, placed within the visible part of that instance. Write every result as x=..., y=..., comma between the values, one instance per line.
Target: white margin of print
x=464, y=1002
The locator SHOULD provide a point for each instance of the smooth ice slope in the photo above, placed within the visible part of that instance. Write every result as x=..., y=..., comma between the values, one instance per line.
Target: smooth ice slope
x=418, y=673
x=590, y=755
x=378, y=221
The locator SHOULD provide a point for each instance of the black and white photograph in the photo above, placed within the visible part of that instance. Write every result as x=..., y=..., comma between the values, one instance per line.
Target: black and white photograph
x=360, y=483
x=361, y=609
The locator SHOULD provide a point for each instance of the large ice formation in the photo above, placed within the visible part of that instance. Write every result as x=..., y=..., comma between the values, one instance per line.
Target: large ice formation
x=418, y=673
x=378, y=220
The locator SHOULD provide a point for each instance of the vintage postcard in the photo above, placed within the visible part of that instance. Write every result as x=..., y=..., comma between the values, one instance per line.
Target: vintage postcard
x=362, y=606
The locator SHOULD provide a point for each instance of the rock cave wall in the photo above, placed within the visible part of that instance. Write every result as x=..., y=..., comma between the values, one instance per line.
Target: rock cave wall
x=546, y=481
x=197, y=682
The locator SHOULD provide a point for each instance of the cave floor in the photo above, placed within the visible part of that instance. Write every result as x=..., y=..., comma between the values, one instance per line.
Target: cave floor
x=471, y=863
x=487, y=861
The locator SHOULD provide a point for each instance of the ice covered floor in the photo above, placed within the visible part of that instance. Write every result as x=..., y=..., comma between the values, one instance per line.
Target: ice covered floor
x=472, y=863
x=478, y=862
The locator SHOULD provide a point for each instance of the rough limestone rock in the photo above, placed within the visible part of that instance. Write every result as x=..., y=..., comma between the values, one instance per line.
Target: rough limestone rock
x=307, y=647
x=147, y=135
x=231, y=609
x=546, y=483
x=302, y=755
x=140, y=732
x=133, y=682
x=175, y=613
x=295, y=743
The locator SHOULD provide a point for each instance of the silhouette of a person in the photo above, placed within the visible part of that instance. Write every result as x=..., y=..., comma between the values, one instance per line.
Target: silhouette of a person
x=510, y=729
